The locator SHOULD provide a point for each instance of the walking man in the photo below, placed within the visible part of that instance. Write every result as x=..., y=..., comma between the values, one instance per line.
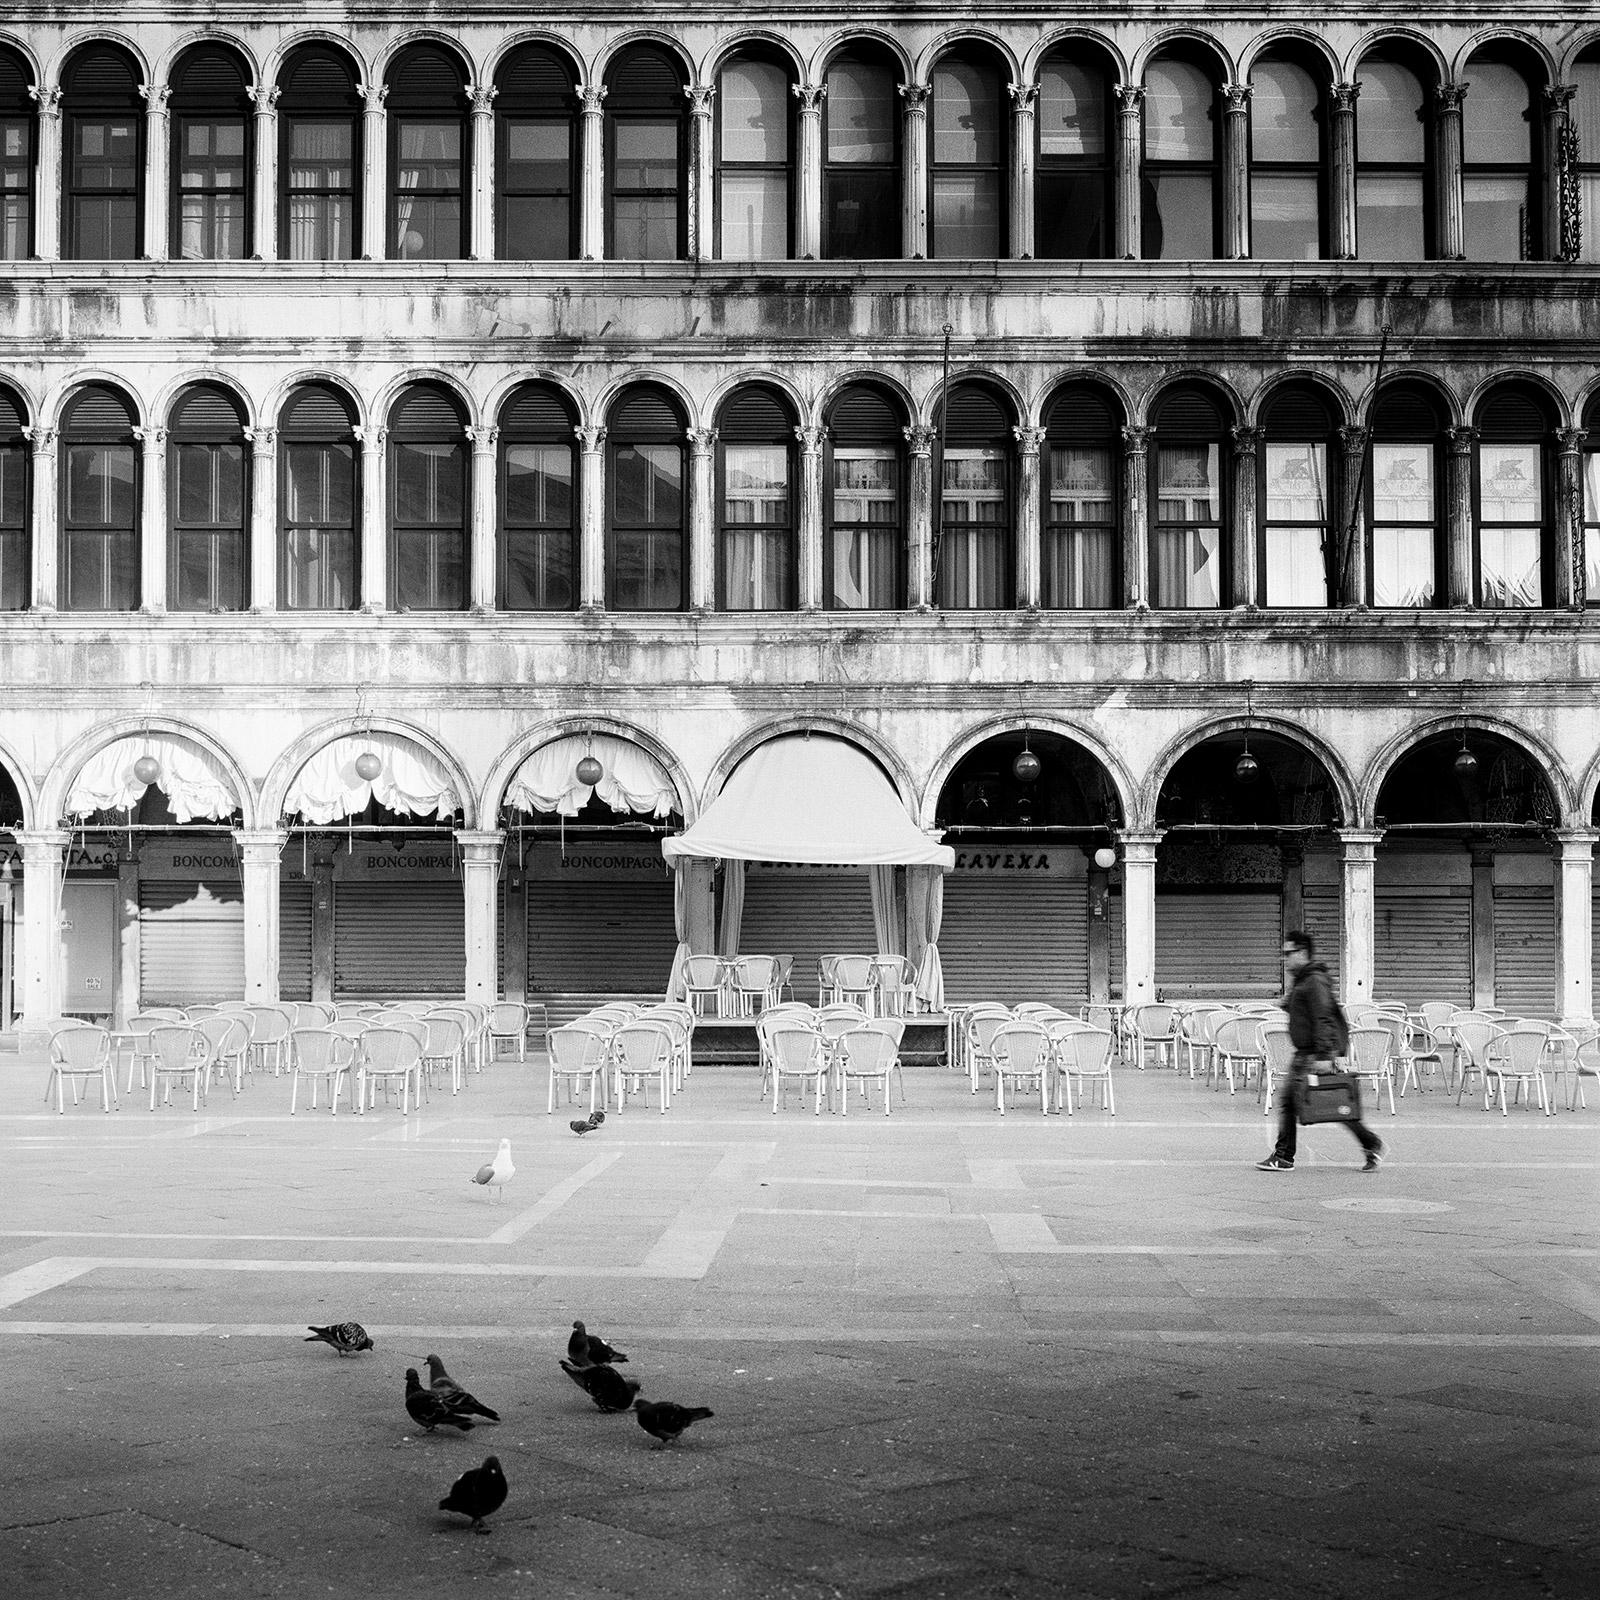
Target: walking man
x=1317, y=1035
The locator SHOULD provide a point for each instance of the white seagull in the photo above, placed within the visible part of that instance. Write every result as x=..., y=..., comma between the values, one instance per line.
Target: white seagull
x=499, y=1172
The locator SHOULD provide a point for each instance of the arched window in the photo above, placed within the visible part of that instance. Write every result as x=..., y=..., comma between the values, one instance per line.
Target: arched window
x=319, y=154
x=428, y=501
x=757, y=565
x=1591, y=501
x=1187, y=462
x=99, y=502
x=207, y=484
x=1299, y=548
x=15, y=502
x=754, y=122
x=1586, y=127
x=318, y=508
x=973, y=552
x=647, y=531
x=861, y=159
x=1285, y=163
x=1404, y=488
x=427, y=156
x=103, y=168
x=536, y=137
x=18, y=126
x=646, y=133
x=1181, y=193
x=1082, y=524
x=863, y=561
x=1393, y=188
x=538, y=506
x=966, y=210
x=1073, y=187
x=211, y=156
x=1500, y=213
x=1511, y=499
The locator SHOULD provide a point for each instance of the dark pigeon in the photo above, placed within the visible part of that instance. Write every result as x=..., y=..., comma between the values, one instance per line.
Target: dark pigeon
x=427, y=1410
x=596, y=1118
x=581, y=1128
x=604, y=1385
x=345, y=1337
x=585, y=1349
x=665, y=1421
x=454, y=1396
x=477, y=1493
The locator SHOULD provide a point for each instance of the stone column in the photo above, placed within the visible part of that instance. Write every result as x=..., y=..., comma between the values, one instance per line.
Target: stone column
x=1575, y=944
x=480, y=224
x=157, y=158
x=263, y=580
x=809, y=576
x=514, y=937
x=1136, y=517
x=264, y=201
x=1235, y=171
x=374, y=519
x=1360, y=863
x=322, y=929
x=260, y=863
x=1460, y=577
x=919, y=518
x=703, y=243
x=153, y=533
x=482, y=568
x=130, y=955
x=591, y=518
x=1030, y=516
x=702, y=519
x=47, y=175
x=1558, y=99
x=39, y=967
x=1348, y=586
x=1482, y=925
x=1569, y=580
x=1024, y=98
x=1139, y=916
x=1449, y=222
x=1246, y=565
x=46, y=535
x=914, y=223
x=592, y=187
x=374, y=173
x=1130, y=164
x=1342, y=241
x=480, y=890
x=808, y=206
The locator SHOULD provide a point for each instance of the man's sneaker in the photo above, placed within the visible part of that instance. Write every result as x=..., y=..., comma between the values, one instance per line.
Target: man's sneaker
x=1374, y=1156
x=1275, y=1164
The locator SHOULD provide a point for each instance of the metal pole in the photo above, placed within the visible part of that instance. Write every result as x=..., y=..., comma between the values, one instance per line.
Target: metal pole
x=1366, y=461
x=938, y=476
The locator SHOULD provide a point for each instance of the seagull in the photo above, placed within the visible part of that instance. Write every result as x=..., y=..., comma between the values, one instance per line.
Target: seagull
x=665, y=1421
x=346, y=1337
x=477, y=1492
x=604, y=1385
x=499, y=1172
x=585, y=1349
x=454, y=1396
x=429, y=1410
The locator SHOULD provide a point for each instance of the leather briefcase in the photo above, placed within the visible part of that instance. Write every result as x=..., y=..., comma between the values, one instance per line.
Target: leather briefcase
x=1325, y=1094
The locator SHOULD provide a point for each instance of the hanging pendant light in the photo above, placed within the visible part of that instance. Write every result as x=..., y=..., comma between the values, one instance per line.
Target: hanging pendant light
x=1105, y=858
x=588, y=770
x=147, y=769
x=368, y=765
x=1246, y=769
x=1026, y=767
x=1466, y=763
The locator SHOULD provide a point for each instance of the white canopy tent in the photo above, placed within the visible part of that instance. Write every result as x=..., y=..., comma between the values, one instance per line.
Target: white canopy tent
x=197, y=785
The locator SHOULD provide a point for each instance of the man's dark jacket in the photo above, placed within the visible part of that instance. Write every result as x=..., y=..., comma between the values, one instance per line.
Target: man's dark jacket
x=1314, y=1026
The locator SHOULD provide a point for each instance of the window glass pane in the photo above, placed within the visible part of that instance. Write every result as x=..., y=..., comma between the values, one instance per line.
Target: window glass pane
x=16, y=228
x=647, y=485
x=966, y=214
x=432, y=150
x=1177, y=113
x=646, y=230
x=1402, y=566
x=1591, y=518
x=755, y=216
x=1186, y=567
x=1509, y=483
x=1402, y=483
x=1283, y=113
x=539, y=485
x=860, y=112
x=1589, y=192
x=320, y=485
x=1072, y=215
x=1297, y=482
x=100, y=485
x=647, y=571
x=863, y=214
x=320, y=154
x=1179, y=220
x=318, y=570
x=539, y=571
x=430, y=571
x=865, y=486
x=428, y=483
x=646, y=154
x=538, y=155
x=1296, y=524
x=538, y=228
x=13, y=486
x=1586, y=111
x=1284, y=216
x=1508, y=560
x=1389, y=124
x=864, y=537
x=1296, y=572
x=105, y=153
x=1072, y=110
x=966, y=115
x=210, y=484
x=1188, y=482
x=753, y=102
x=1494, y=115
x=755, y=483
x=1080, y=484
x=1495, y=217
x=1389, y=218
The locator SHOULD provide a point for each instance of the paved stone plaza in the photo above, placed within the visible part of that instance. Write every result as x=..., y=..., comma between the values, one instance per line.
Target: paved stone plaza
x=949, y=1354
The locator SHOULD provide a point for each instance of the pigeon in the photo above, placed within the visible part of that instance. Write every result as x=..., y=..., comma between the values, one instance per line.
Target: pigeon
x=499, y=1172
x=454, y=1396
x=604, y=1385
x=665, y=1421
x=477, y=1492
x=585, y=1349
x=427, y=1409
x=346, y=1337
x=596, y=1118
x=581, y=1128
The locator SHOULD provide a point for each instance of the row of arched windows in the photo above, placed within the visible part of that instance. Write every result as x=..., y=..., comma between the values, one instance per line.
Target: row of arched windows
x=1427, y=168
x=1260, y=515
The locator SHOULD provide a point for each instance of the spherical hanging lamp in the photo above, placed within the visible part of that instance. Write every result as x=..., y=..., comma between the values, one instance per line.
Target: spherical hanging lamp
x=1465, y=763
x=147, y=769
x=368, y=765
x=1105, y=858
x=1026, y=767
x=1246, y=769
x=589, y=771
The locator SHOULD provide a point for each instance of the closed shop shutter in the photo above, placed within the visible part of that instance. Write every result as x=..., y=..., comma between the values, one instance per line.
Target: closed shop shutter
x=593, y=937
x=1013, y=941
x=1119, y=941
x=191, y=942
x=792, y=914
x=1324, y=914
x=294, y=941
x=1222, y=945
x=1422, y=947
x=396, y=941
x=1525, y=953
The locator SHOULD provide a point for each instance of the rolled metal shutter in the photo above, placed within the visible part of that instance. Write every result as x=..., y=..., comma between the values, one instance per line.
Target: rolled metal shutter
x=396, y=941
x=1324, y=921
x=600, y=938
x=1525, y=953
x=294, y=941
x=1422, y=946
x=1119, y=940
x=1224, y=945
x=191, y=942
x=1016, y=941
x=790, y=914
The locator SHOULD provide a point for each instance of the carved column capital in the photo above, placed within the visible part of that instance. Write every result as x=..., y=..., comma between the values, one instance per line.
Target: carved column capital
x=264, y=97
x=264, y=440
x=590, y=99
x=483, y=439
x=1130, y=99
x=374, y=94
x=155, y=97
x=151, y=438
x=1024, y=96
x=480, y=99
x=700, y=97
x=916, y=95
x=42, y=439
x=1461, y=440
x=370, y=436
x=702, y=441
x=811, y=440
x=1245, y=440
x=1236, y=99
x=1448, y=96
x=1344, y=97
x=810, y=96
x=48, y=99
x=590, y=437
x=1571, y=440
x=1136, y=440
x=1028, y=440
x=1353, y=437
x=920, y=438
x=1558, y=97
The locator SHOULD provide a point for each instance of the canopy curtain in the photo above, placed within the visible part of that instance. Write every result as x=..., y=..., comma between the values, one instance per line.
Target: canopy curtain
x=413, y=782
x=925, y=913
x=633, y=779
x=885, y=924
x=196, y=784
x=732, y=908
x=676, y=989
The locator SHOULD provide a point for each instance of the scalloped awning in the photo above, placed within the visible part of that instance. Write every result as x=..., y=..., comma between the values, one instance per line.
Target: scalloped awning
x=413, y=782
x=633, y=779
x=197, y=786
